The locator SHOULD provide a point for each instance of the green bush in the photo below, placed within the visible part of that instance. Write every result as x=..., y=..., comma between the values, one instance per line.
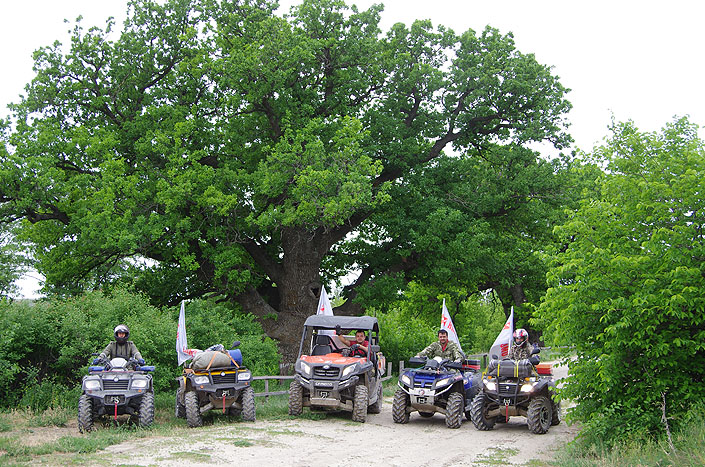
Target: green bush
x=46, y=346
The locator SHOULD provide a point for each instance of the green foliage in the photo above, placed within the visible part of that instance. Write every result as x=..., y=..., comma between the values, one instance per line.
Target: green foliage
x=628, y=290
x=13, y=262
x=46, y=346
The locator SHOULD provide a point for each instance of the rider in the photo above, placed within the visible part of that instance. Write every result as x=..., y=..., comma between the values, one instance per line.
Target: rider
x=444, y=348
x=520, y=349
x=360, y=347
x=120, y=347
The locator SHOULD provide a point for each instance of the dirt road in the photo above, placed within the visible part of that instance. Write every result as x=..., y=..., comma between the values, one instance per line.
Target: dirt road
x=337, y=441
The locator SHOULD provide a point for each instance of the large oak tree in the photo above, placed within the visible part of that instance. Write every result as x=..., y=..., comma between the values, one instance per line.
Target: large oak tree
x=251, y=155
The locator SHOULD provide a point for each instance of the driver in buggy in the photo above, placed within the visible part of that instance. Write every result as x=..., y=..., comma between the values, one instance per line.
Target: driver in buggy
x=359, y=348
x=120, y=347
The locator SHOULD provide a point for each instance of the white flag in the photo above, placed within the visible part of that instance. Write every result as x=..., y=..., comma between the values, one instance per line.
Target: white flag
x=324, y=308
x=503, y=343
x=182, y=350
x=447, y=324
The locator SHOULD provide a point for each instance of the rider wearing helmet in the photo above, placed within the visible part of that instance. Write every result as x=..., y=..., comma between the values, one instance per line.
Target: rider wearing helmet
x=121, y=347
x=520, y=345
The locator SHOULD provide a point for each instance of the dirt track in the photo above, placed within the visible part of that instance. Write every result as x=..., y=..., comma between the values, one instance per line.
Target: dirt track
x=338, y=441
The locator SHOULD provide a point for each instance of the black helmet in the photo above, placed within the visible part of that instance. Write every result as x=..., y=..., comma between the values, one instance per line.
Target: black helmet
x=121, y=328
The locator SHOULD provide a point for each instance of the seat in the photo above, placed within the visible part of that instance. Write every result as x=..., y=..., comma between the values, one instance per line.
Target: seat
x=322, y=345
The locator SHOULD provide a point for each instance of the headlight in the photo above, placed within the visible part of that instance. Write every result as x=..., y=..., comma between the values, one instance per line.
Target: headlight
x=490, y=385
x=348, y=369
x=139, y=383
x=92, y=384
x=305, y=368
x=443, y=382
x=406, y=380
x=528, y=387
x=244, y=376
x=201, y=380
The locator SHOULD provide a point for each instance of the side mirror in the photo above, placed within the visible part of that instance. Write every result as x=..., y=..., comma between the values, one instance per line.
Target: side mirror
x=374, y=348
x=535, y=350
x=235, y=344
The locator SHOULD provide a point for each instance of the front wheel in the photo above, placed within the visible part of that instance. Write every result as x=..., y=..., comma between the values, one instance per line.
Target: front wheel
x=539, y=415
x=454, y=410
x=360, y=403
x=555, y=413
x=248, y=404
x=179, y=407
x=377, y=406
x=85, y=414
x=400, y=414
x=194, y=418
x=146, y=416
x=478, y=413
x=296, y=398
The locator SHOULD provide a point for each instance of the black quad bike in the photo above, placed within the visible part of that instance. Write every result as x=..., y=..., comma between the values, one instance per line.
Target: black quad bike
x=510, y=388
x=116, y=387
x=329, y=376
x=224, y=388
x=439, y=386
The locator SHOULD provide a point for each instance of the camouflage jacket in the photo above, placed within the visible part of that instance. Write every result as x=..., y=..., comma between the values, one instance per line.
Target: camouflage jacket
x=126, y=351
x=520, y=352
x=452, y=352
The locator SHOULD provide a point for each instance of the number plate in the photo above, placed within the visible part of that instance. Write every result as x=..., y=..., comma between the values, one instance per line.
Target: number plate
x=112, y=400
x=323, y=394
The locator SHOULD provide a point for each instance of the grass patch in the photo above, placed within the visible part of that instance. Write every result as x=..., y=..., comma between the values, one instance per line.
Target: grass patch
x=189, y=456
x=499, y=456
x=689, y=444
x=52, y=417
x=243, y=443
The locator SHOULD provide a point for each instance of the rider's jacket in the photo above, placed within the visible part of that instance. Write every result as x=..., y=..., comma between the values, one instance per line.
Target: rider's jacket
x=451, y=352
x=127, y=350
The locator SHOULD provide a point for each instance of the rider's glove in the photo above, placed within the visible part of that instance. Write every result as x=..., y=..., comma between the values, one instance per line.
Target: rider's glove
x=97, y=361
x=140, y=361
x=355, y=346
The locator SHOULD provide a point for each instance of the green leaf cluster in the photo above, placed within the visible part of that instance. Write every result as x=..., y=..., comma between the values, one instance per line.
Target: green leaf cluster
x=627, y=291
x=46, y=346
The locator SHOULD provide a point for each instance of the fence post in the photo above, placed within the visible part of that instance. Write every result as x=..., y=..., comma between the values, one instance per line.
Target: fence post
x=389, y=368
x=266, y=390
x=401, y=366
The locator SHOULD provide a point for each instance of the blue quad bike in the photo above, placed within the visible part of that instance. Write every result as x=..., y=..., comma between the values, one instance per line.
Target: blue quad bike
x=437, y=386
x=116, y=387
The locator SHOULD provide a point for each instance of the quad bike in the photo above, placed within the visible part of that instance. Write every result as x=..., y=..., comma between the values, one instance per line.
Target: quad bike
x=439, y=386
x=328, y=377
x=224, y=388
x=517, y=388
x=116, y=387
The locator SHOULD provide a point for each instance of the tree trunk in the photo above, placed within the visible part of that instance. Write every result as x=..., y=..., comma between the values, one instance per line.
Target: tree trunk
x=298, y=289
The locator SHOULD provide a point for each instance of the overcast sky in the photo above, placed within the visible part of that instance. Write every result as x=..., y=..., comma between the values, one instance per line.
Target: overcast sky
x=638, y=60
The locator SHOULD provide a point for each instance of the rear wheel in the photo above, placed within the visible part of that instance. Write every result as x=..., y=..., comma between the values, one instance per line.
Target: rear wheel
x=401, y=402
x=362, y=399
x=377, y=406
x=539, y=416
x=194, y=418
x=454, y=410
x=296, y=398
x=179, y=407
x=146, y=410
x=478, y=413
x=85, y=414
x=248, y=404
